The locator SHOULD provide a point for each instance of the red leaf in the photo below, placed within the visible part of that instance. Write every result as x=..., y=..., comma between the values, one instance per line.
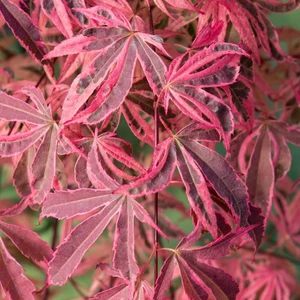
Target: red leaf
x=112, y=44
x=260, y=173
x=197, y=190
x=158, y=176
x=17, y=143
x=44, y=165
x=279, y=7
x=12, y=278
x=13, y=109
x=199, y=279
x=222, y=177
x=118, y=292
x=28, y=242
x=69, y=254
x=124, y=258
x=24, y=29
x=192, y=285
x=163, y=282
x=55, y=10
x=67, y=204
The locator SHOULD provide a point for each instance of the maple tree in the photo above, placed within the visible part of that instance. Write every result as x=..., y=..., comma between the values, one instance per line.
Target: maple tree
x=111, y=115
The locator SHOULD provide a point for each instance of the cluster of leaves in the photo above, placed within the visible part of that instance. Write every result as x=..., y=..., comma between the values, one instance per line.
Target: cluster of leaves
x=179, y=77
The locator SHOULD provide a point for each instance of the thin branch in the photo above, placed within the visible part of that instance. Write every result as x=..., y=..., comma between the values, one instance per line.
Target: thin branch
x=156, y=141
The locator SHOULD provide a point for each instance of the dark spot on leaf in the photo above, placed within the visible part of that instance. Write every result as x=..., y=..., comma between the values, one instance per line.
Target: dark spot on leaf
x=104, y=14
x=48, y=5
x=89, y=31
x=83, y=84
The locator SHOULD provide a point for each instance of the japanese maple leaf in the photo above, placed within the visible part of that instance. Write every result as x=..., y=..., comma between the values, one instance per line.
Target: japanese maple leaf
x=200, y=280
x=103, y=150
x=255, y=29
x=270, y=279
x=117, y=49
x=40, y=126
x=12, y=279
x=190, y=83
x=271, y=137
x=285, y=219
x=197, y=164
x=25, y=31
x=239, y=93
x=63, y=14
x=67, y=204
x=180, y=4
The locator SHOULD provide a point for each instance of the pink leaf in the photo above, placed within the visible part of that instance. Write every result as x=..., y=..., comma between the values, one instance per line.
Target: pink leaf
x=208, y=34
x=12, y=278
x=15, y=144
x=158, y=176
x=44, y=165
x=152, y=64
x=69, y=254
x=28, y=242
x=197, y=190
x=118, y=292
x=141, y=213
x=214, y=250
x=55, y=10
x=222, y=177
x=192, y=285
x=89, y=79
x=97, y=174
x=13, y=109
x=23, y=28
x=67, y=204
x=37, y=97
x=279, y=7
x=260, y=173
x=124, y=257
x=163, y=282
x=118, y=85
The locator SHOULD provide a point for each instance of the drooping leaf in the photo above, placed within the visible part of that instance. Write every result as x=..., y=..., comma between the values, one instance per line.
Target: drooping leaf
x=196, y=189
x=162, y=283
x=260, y=175
x=222, y=177
x=24, y=29
x=22, y=174
x=250, y=21
x=277, y=6
x=12, y=278
x=28, y=242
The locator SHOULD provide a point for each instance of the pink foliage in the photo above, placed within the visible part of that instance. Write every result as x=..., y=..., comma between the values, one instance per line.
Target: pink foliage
x=117, y=104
